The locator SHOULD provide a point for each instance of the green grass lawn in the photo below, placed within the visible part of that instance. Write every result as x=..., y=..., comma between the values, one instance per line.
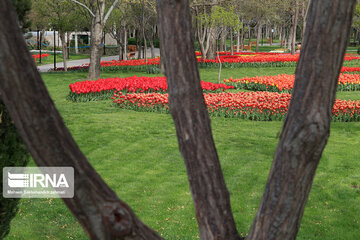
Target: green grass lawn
x=137, y=155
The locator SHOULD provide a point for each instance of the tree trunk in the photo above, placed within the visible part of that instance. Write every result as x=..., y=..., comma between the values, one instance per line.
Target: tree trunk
x=249, y=36
x=187, y=106
x=225, y=39
x=304, y=19
x=231, y=42
x=211, y=53
x=76, y=44
x=96, y=37
x=295, y=20
x=101, y=213
x=238, y=37
x=221, y=49
x=258, y=36
x=307, y=125
x=152, y=48
x=125, y=41
x=63, y=48
x=290, y=38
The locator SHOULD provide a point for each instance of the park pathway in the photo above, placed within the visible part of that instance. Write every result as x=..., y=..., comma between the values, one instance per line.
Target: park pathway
x=73, y=63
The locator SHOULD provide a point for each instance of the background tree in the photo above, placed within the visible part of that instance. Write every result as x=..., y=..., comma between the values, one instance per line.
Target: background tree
x=118, y=26
x=96, y=8
x=59, y=15
x=22, y=8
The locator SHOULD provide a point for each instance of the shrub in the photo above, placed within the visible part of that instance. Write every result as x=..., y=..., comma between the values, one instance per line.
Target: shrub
x=12, y=154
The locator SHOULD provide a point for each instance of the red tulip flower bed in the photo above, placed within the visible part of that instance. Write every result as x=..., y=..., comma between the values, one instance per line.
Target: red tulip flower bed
x=285, y=83
x=263, y=106
x=350, y=69
x=37, y=56
x=104, y=88
x=240, y=59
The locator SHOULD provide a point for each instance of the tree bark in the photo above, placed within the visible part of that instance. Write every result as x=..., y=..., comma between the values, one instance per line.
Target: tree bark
x=307, y=125
x=96, y=36
x=101, y=213
x=211, y=53
x=187, y=106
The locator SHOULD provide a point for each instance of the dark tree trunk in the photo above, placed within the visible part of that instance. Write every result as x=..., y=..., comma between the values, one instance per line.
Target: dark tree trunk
x=187, y=106
x=307, y=125
x=101, y=213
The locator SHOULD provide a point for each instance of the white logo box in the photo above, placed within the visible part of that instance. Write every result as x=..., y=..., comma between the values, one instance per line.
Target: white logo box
x=38, y=182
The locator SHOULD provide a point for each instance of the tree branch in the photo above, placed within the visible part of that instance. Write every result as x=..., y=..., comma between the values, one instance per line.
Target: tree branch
x=83, y=5
x=110, y=10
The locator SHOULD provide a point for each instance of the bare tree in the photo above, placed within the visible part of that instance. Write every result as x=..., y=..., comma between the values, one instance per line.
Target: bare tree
x=304, y=135
x=97, y=10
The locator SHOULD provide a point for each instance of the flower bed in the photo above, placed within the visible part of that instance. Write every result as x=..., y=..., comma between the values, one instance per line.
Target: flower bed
x=37, y=56
x=285, y=83
x=263, y=106
x=104, y=88
x=350, y=69
x=237, y=60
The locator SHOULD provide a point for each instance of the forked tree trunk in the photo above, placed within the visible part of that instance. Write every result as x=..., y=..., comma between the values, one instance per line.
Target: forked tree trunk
x=187, y=106
x=101, y=213
x=96, y=37
x=307, y=125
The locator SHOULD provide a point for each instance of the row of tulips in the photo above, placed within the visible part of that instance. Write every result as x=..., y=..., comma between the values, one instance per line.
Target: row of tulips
x=285, y=83
x=263, y=106
x=227, y=60
x=104, y=88
x=350, y=69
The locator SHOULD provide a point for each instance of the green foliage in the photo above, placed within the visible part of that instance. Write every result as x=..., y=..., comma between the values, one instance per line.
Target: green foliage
x=223, y=17
x=22, y=8
x=61, y=15
x=12, y=154
x=356, y=18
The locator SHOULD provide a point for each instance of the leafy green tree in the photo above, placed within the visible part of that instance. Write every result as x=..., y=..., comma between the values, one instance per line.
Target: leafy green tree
x=59, y=15
x=22, y=8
